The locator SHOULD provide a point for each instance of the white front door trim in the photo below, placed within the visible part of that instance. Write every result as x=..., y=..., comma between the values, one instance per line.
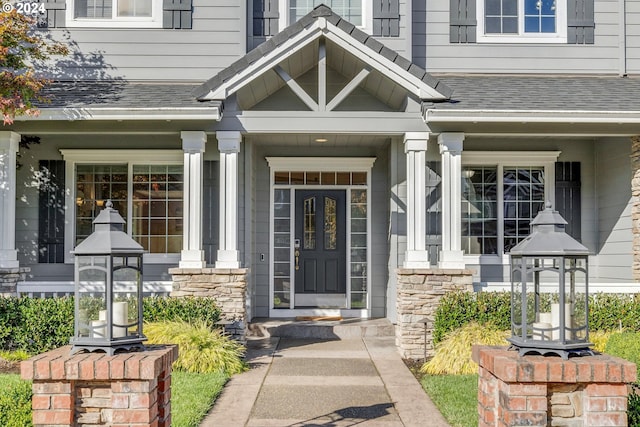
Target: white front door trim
x=319, y=164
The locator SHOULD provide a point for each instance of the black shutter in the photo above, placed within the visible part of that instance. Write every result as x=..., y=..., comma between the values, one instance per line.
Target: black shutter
x=386, y=18
x=55, y=14
x=265, y=18
x=210, y=224
x=51, y=213
x=177, y=14
x=580, y=22
x=568, y=196
x=462, y=21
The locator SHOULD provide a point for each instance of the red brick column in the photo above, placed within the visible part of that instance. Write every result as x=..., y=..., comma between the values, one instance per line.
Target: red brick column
x=93, y=389
x=544, y=391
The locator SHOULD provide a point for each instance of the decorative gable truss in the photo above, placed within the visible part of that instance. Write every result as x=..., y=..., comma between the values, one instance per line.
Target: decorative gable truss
x=322, y=27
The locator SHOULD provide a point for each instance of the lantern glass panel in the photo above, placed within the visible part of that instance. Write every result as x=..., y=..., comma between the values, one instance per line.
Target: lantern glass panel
x=516, y=297
x=126, y=296
x=576, y=296
x=92, y=296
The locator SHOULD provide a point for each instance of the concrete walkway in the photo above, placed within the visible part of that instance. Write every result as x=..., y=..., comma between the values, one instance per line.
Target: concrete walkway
x=306, y=382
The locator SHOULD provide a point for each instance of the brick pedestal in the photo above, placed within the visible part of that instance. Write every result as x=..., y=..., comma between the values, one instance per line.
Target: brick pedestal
x=228, y=286
x=93, y=389
x=419, y=293
x=548, y=391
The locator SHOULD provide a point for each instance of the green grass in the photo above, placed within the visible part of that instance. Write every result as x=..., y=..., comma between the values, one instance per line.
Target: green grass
x=456, y=396
x=192, y=395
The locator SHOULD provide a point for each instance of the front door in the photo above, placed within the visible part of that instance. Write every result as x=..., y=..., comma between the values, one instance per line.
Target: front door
x=320, y=247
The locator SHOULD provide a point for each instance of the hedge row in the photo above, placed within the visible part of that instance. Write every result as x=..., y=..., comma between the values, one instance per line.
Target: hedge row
x=36, y=325
x=607, y=312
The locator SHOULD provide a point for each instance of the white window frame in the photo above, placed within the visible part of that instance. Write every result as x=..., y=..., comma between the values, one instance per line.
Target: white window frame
x=154, y=21
x=502, y=159
x=367, y=21
x=560, y=36
x=96, y=157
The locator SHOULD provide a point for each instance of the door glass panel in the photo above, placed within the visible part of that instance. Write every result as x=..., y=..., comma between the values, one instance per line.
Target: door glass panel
x=310, y=223
x=330, y=224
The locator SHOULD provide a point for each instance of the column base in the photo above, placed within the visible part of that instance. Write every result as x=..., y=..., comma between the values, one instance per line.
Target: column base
x=228, y=259
x=416, y=259
x=451, y=259
x=9, y=258
x=192, y=259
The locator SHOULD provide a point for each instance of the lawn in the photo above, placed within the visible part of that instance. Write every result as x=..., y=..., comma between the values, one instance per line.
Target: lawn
x=456, y=396
x=192, y=395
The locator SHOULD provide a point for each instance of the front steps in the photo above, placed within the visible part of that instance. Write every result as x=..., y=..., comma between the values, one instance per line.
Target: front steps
x=320, y=329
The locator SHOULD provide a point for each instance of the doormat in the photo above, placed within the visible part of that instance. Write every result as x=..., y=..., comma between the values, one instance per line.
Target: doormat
x=319, y=318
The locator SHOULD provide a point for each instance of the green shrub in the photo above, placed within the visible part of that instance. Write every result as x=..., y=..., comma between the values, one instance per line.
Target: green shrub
x=15, y=402
x=14, y=356
x=202, y=349
x=607, y=312
x=625, y=345
x=36, y=325
x=453, y=355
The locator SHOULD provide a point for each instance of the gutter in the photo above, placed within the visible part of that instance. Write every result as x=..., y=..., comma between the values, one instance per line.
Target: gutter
x=530, y=116
x=213, y=113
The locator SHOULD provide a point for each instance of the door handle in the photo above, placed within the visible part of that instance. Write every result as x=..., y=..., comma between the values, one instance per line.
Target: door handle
x=297, y=256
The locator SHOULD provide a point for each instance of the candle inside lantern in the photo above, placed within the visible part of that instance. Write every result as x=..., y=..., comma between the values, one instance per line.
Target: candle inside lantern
x=555, y=320
x=98, y=328
x=120, y=317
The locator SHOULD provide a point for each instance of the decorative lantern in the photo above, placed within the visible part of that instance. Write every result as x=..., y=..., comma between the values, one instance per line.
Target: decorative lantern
x=108, y=288
x=550, y=290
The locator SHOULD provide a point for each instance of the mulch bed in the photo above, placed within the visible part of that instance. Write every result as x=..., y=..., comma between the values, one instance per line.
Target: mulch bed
x=7, y=367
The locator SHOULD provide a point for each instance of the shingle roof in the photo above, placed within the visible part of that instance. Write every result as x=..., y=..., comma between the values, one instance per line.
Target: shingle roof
x=541, y=92
x=121, y=94
x=296, y=28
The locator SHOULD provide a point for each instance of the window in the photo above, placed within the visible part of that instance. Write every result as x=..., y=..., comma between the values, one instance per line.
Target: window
x=501, y=198
x=115, y=13
x=351, y=10
x=146, y=188
x=522, y=21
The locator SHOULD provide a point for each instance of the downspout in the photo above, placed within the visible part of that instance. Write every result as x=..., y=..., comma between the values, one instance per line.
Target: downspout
x=622, y=44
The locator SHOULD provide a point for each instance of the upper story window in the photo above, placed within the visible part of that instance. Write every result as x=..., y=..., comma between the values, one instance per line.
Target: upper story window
x=522, y=21
x=351, y=10
x=115, y=13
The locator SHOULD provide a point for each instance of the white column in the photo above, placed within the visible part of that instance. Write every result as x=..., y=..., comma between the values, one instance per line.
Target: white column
x=229, y=146
x=9, y=145
x=451, y=151
x=193, y=145
x=415, y=148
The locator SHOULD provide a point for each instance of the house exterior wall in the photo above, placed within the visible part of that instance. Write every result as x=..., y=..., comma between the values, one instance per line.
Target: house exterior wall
x=27, y=210
x=217, y=39
x=615, y=246
x=432, y=49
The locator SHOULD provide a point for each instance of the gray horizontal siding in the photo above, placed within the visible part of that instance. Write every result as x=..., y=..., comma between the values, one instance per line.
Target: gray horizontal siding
x=217, y=39
x=432, y=50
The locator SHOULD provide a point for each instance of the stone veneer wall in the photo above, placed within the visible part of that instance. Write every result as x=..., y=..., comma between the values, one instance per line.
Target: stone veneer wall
x=543, y=391
x=635, y=204
x=9, y=278
x=93, y=389
x=419, y=292
x=227, y=286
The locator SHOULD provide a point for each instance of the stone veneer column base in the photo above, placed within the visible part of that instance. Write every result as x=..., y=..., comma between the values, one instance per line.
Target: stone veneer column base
x=419, y=292
x=228, y=286
x=549, y=391
x=94, y=389
x=9, y=278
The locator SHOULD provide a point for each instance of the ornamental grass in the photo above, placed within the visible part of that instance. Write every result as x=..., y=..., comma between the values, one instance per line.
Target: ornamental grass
x=201, y=349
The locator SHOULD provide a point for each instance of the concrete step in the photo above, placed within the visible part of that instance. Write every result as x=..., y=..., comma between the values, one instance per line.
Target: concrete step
x=320, y=329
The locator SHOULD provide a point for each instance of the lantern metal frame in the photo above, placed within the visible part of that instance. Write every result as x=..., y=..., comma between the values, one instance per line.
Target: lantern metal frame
x=116, y=251
x=549, y=252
